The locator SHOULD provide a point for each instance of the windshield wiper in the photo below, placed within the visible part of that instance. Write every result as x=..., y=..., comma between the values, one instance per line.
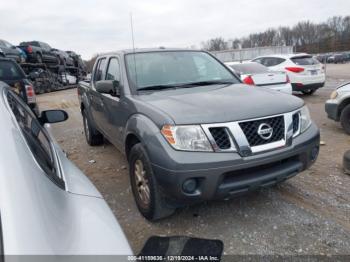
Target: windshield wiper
x=157, y=87
x=185, y=85
x=206, y=83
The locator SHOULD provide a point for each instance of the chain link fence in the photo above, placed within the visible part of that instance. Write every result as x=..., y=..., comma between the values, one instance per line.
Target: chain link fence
x=251, y=53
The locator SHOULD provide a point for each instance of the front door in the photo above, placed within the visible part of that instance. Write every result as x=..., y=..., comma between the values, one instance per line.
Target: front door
x=113, y=105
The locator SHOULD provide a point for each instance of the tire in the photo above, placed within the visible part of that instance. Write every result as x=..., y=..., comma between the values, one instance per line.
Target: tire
x=92, y=135
x=39, y=58
x=309, y=92
x=152, y=207
x=345, y=119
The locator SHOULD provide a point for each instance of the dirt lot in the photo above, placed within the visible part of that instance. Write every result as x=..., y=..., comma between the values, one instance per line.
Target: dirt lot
x=309, y=214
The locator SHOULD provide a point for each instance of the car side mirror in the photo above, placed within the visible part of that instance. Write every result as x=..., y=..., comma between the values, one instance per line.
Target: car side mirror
x=53, y=116
x=13, y=47
x=110, y=87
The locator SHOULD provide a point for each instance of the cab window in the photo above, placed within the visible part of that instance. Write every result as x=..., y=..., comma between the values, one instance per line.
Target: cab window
x=99, y=70
x=113, y=71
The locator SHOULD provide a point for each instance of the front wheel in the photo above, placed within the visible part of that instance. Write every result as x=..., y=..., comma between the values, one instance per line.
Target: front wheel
x=345, y=119
x=309, y=92
x=149, y=199
x=92, y=135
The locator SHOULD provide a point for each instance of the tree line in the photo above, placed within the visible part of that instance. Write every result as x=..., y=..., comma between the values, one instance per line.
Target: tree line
x=330, y=36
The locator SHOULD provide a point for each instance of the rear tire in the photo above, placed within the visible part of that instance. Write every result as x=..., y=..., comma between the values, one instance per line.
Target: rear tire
x=345, y=119
x=149, y=199
x=309, y=92
x=39, y=58
x=92, y=135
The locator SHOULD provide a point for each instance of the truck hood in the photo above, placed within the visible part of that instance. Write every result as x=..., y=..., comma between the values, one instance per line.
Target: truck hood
x=216, y=104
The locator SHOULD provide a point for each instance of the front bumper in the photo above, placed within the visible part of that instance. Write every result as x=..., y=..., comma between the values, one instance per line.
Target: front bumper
x=224, y=175
x=331, y=108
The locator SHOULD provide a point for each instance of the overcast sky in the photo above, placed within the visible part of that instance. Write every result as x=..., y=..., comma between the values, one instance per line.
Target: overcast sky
x=89, y=27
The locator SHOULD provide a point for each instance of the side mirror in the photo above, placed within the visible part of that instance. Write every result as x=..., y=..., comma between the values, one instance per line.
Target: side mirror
x=110, y=87
x=13, y=47
x=53, y=116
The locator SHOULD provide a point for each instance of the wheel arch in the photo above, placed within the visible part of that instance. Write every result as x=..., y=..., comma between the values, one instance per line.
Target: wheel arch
x=342, y=105
x=140, y=129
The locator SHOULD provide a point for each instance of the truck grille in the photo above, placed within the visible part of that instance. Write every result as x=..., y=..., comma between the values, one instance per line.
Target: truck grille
x=221, y=137
x=250, y=129
x=295, y=123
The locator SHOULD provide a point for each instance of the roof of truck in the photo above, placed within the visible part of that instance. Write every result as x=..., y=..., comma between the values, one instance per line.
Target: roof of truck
x=147, y=50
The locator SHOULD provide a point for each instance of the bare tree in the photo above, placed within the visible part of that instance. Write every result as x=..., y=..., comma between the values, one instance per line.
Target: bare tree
x=332, y=35
x=215, y=44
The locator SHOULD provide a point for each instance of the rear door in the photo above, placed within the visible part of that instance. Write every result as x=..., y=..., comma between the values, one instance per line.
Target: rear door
x=96, y=98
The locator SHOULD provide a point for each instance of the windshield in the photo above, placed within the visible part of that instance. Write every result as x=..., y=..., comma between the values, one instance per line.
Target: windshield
x=304, y=60
x=171, y=68
x=249, y=68
x=10, y=71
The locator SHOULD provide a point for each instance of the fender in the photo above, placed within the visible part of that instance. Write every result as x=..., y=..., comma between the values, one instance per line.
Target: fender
x=148, y=134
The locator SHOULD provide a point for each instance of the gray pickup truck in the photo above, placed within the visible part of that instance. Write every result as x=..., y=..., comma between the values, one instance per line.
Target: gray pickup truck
x=190, y=130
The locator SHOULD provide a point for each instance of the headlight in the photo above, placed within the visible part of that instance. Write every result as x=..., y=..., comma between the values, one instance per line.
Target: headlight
x=334, y=94
x=305, y=119
x=187, y=138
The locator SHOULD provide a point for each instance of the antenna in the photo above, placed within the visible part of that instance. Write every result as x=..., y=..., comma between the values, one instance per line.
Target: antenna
x=133, y=45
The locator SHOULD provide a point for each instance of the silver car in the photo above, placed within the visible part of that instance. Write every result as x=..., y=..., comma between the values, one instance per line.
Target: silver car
x=47, y=205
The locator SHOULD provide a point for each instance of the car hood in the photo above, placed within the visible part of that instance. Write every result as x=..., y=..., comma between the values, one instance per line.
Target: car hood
x=215, y=104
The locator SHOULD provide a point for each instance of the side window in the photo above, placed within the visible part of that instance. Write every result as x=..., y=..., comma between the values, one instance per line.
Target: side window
x=113, y=71
x=273, y=61
x=7, y=44
x=99, y=69
x=36, y=137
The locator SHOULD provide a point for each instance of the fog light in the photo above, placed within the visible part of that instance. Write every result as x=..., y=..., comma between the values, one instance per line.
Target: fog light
x=189, y=186
x=314, y=153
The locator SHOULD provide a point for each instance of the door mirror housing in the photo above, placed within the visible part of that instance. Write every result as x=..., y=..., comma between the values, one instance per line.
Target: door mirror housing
x=53, y=116
x=110, y=87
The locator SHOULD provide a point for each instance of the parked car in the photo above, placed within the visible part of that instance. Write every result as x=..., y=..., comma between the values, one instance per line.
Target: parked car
x=47, y=205
x=190, y=130
x=63, y=57
x=10, y=51
x=13, y=75
x=337, y=59
x=306, y=73
x=78, y=62
x=39, y=52
x=256, y=74
x=338, y=106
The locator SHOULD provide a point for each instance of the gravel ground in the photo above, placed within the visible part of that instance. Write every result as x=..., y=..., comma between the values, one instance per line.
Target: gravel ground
x=309, y=214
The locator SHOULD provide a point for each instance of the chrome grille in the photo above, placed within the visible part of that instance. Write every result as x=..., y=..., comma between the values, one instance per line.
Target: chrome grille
x=250, y=130
x=296, y=122
x=221, y=137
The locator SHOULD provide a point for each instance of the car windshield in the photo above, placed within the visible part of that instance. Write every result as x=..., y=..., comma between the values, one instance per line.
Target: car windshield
x=249, y=68
x=10, y=71
x=175, y=68
x=304, y=60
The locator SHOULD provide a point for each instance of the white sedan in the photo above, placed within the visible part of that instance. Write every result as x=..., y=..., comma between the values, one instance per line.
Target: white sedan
x=258, y=75
x=306, y=73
